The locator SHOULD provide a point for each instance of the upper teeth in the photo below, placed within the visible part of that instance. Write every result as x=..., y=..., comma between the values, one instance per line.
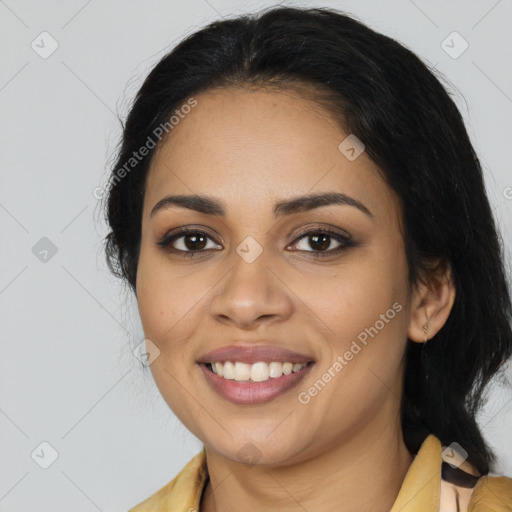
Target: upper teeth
x=257, y=372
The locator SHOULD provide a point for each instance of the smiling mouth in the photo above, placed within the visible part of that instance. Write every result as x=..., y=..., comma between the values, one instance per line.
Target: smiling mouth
x=257, y=383
x=257, y=372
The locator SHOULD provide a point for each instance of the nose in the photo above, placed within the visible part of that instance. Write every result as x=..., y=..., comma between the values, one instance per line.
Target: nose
x=251, y=294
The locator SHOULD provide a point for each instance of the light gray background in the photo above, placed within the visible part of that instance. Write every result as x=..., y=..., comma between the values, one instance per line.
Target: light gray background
x=67, y=373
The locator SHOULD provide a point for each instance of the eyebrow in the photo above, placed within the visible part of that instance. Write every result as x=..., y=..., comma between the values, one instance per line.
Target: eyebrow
x=211, y=206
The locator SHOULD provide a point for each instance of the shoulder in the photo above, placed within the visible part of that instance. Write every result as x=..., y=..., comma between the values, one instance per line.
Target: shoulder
x=492, y=494
x=182, y=492
x=464, y=490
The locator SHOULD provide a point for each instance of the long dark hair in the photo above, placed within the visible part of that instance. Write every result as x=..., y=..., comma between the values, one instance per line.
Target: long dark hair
x=412, y=130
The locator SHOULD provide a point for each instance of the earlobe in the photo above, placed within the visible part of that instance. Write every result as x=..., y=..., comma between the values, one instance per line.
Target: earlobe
x=431, y=306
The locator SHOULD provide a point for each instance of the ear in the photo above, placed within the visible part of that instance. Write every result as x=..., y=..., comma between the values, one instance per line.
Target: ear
x=431, y=304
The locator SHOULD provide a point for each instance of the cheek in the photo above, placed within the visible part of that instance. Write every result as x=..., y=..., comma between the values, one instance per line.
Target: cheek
x=367, y=318
x=167, y=305
x=364, y=307
x=353, y=298
x=166, y=300
x=172, y=302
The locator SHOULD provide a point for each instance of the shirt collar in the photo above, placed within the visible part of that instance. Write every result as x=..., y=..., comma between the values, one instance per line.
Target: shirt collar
x=421, y=486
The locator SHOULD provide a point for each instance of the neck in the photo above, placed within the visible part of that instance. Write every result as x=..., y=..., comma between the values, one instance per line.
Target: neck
x=362, y=473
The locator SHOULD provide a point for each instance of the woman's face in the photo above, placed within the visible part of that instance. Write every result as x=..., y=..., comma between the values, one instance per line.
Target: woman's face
x=338, y=299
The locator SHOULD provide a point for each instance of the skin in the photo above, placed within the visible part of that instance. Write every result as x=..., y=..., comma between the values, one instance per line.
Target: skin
x=249, y=149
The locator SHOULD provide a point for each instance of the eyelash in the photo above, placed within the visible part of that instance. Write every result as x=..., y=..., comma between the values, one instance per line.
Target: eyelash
x=344, y=240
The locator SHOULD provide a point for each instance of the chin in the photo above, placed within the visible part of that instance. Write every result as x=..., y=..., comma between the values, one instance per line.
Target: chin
x=258, y=450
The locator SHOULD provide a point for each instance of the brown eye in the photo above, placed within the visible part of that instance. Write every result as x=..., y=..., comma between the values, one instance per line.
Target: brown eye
x=194, y=242
x=322, y=242
x=188, y=242
x=319, y=242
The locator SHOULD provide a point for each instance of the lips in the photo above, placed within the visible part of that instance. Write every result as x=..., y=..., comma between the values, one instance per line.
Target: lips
x=253, y=393
x=250, y=392
x=253, y=354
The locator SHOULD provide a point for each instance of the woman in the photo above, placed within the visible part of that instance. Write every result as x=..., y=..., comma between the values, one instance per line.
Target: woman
x=301, y=215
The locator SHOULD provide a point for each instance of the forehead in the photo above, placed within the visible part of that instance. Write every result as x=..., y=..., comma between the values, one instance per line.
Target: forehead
x=260, y=143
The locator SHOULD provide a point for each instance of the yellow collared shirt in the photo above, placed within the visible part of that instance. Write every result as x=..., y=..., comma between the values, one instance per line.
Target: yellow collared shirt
x=422, y=490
